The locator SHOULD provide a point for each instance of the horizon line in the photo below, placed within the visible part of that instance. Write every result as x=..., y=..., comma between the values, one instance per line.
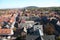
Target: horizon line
x=28, y=6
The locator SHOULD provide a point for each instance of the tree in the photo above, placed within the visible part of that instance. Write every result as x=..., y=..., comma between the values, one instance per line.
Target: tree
x=49, y=30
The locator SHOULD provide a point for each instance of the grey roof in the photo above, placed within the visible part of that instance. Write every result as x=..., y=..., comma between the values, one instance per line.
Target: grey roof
x=49, y=37
x=31, y=37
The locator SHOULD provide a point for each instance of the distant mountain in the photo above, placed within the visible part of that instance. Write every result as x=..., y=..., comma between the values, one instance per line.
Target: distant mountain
x=34, y=7
x=31, y=7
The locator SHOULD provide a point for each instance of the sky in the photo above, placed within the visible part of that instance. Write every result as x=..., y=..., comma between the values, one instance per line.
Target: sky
x=24, y=3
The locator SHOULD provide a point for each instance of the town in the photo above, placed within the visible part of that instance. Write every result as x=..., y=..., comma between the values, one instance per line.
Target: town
x=29, y=24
